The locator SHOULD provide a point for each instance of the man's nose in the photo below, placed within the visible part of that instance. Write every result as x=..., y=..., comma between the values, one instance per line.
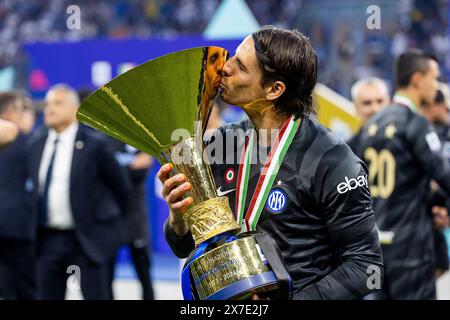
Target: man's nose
x=226, y=71
x=378, y=106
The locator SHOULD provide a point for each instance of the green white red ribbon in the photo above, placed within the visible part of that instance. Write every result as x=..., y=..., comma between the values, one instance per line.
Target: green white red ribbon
x=267, y=177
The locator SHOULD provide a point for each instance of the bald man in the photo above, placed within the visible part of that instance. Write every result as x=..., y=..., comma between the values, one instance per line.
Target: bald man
x=80, y=192
x=369, y=95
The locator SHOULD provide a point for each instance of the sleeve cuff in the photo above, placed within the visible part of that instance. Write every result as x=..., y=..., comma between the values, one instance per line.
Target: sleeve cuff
x=180, y=245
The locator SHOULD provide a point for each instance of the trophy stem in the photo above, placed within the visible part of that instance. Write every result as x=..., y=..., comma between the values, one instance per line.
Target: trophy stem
x=187, y=158
x=210, y=218
x=209, y=215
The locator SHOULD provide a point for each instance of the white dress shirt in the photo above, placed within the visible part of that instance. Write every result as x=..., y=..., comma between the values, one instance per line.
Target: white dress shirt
x=58, y=202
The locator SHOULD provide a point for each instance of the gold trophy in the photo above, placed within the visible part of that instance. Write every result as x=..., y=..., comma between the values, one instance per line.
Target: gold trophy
x=162, y=107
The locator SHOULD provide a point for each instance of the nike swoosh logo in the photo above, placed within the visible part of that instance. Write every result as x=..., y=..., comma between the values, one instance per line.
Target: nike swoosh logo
x=221, y=193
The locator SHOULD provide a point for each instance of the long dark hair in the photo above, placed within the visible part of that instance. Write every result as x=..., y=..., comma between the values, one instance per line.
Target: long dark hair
x=288, y=56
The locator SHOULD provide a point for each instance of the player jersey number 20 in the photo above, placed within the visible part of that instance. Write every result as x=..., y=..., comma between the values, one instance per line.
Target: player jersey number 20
x=381, y=172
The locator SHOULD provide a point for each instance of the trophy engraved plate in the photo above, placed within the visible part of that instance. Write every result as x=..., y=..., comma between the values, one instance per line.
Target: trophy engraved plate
x=228, y=264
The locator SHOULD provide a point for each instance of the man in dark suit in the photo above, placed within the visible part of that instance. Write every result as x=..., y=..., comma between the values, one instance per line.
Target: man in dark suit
x=80, y=192
x=16, y=219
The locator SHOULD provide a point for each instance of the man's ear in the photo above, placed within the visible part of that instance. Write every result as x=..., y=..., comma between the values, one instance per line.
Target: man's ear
x=415, y=79
x=275, y=90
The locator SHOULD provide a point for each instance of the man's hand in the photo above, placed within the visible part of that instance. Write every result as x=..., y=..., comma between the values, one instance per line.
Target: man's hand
x=173, y=190
x=440, y=217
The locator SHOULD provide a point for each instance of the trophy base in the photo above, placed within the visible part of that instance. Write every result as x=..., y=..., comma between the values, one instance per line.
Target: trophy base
x=233, y=269
x=256, y=284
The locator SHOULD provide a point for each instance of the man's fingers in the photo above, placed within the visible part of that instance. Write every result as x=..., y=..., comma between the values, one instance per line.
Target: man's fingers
x=178, y=192
x=174, y=188
x=164, y=171
x=182, y=204
x=172, y=183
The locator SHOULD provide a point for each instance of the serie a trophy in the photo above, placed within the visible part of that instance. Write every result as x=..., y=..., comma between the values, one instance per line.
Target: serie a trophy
x=162, y=107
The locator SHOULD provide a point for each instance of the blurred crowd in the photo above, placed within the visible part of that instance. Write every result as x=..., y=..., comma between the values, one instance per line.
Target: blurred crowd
x=347, y=49
x=24, y=21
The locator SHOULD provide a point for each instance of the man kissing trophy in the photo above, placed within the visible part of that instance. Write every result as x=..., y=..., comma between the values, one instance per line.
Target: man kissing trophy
x=162, y=107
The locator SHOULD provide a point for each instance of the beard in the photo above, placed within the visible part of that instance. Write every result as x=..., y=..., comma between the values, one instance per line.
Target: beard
x=225, y=97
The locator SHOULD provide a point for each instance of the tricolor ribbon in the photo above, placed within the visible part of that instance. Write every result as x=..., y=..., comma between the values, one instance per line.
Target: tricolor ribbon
x=267, y=177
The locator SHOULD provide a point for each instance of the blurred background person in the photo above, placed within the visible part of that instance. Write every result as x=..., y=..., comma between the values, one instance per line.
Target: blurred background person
x=8, y=132
x=28, y=117
x=437, y=113
x=402, y=152
x=136, y=164
x=137, y=238
x=17, y=223
x=369, y=96
x=80, y=195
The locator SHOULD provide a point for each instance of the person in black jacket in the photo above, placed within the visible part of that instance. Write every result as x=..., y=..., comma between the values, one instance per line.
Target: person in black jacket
x=136, y=164
x=317, y=206
x=80, y=193
x=403, y=152
x=437, y=113
x=17, y=229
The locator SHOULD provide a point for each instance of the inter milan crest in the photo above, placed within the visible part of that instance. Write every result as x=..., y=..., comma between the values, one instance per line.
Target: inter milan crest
x=276, y=201
x=229, y=175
